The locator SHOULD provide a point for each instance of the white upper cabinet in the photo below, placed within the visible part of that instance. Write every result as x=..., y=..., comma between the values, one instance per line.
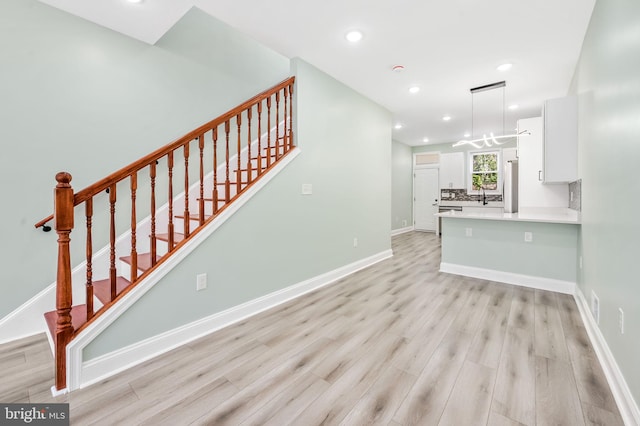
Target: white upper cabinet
x=561, y=140
x=452, y=171
x=532, y=192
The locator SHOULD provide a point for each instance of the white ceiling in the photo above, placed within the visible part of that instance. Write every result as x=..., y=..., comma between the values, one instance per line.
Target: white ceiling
x=446, y=47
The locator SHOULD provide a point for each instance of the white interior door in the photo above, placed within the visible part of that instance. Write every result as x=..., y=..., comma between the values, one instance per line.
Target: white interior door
x=426, y=193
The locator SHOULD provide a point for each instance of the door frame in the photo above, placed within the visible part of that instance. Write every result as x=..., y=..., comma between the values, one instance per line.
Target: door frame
x=413, y=189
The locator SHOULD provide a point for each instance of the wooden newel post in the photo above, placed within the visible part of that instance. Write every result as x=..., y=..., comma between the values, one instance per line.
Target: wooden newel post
x=63, y=217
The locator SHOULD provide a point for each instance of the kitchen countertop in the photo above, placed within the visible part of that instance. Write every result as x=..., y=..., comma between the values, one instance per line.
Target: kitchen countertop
x=446, y=203
x=548, y=215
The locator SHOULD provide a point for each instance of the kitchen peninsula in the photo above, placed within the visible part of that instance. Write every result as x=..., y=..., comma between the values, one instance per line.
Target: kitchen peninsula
x=500, y=247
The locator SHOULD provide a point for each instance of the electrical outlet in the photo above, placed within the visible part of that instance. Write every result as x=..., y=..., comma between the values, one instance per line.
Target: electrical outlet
x=621, y=320
x=445, y=195
x=571, y=196
x=201, y=282
x=528, y=237
x=453, y=195
x=595, y=307
x=307, y=189
x=355, y=241
x=404, y=223
x=468, y=232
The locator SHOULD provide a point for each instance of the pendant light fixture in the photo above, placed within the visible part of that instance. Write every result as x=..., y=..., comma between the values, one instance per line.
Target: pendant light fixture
x=489, y=138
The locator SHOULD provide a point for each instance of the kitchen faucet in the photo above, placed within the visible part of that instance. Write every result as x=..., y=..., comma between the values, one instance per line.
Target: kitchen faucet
x=484, y=197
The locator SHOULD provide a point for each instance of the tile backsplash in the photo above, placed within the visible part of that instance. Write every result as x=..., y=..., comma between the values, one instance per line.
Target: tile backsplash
x=462, y=195
x=575, y=195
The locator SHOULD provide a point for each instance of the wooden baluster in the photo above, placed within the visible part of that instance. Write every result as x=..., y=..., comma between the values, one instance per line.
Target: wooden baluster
x=152, y=175
x=270, y=149
x=285, y=144
x=249, y=161
x=238, y=155
x=170, y=226
x=201, y=200
x=214, y=195
x=134, y=253
x=89, y=255
x=187, y=224
x=291, y=116
x=227, y=184
x=63, y=216
x=277, y=125
x=112, y=240
x=259, y=137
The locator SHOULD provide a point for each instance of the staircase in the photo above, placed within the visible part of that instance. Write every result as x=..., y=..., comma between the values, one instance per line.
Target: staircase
x=178, y=189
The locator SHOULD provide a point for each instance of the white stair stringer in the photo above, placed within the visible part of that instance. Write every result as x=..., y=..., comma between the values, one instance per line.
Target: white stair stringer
x=28, y=319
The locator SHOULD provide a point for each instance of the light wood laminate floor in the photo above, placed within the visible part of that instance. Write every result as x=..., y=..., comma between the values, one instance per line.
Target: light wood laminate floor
x=398, y=343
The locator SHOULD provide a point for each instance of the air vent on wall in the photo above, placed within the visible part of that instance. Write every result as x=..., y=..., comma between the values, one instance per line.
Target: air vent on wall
x=427, y=158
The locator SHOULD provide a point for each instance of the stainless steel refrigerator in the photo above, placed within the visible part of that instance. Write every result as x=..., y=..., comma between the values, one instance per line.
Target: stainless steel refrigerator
x=510, y=193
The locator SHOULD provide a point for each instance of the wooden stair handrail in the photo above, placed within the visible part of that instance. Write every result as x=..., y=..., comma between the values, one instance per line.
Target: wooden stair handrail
x=68, y=319
x=126, y=171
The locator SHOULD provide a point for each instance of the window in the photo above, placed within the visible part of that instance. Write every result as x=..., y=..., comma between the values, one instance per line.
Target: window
x=485, y=173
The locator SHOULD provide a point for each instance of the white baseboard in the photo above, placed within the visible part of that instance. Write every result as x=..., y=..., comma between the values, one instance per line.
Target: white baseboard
x=401, y=230
x=28, y=318
x=112, y=363
x=540, y=283
x=624, y=399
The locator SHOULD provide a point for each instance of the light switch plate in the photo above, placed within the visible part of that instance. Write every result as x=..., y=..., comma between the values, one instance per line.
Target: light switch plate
x=307, y=189
x=201, y=282
x=528, y=237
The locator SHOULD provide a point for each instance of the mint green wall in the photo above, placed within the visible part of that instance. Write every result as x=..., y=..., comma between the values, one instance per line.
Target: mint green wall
x=500, y=246
x=607, y=82
x=401, y=186
x=82, y=98
x=281, y=237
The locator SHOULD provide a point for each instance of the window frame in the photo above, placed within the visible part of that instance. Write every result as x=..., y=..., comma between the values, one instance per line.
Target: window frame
x=471, y=154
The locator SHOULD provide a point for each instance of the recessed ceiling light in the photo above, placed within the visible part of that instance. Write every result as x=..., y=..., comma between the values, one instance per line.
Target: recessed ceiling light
x=514, y=106
x=425, y=140
x=414, y=89
x=134, y=1
x=446, y=118
x=354, y=36
x=398, y=126
x=466, y=135
x=505, y=67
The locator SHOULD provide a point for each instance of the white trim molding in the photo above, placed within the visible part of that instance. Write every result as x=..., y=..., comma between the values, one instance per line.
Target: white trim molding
x=628, y=407
x=399, y=231
x=27, y=319
x=97, y=369
x=540, y=283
